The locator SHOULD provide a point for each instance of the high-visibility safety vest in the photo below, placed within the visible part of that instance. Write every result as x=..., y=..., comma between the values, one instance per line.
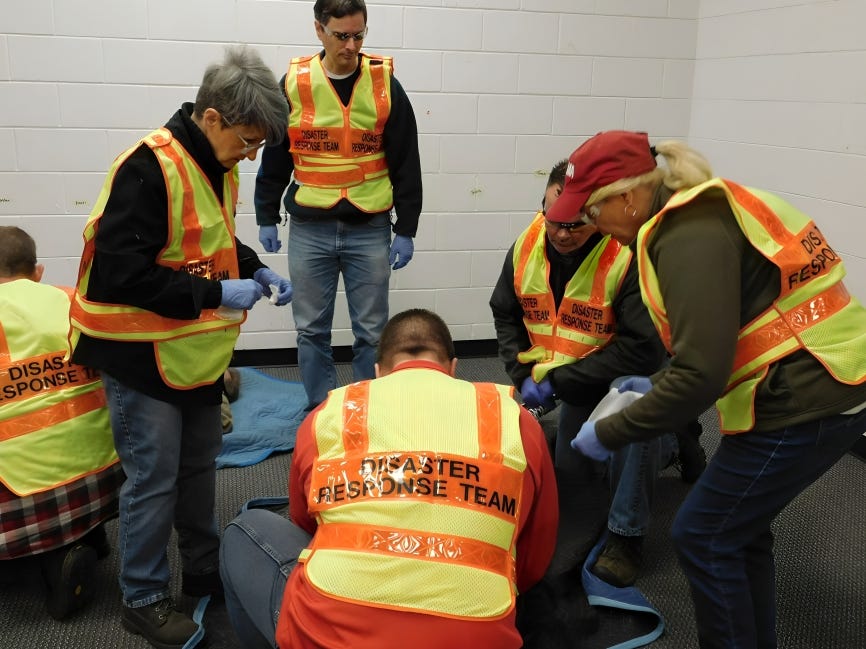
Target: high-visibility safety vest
x=585, y=319
x=417, y=507
x=813, y=311
x=54, y=425
x=339, y=150
x=189, y=353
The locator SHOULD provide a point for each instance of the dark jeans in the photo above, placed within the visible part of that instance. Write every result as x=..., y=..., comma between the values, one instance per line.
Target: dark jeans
x=722, y=531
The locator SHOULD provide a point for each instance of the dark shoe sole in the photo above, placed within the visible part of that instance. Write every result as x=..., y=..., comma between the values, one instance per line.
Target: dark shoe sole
x=69, y=589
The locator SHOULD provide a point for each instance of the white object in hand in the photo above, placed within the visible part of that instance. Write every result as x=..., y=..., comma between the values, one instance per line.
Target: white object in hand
x=275, y=290
x=228, y=313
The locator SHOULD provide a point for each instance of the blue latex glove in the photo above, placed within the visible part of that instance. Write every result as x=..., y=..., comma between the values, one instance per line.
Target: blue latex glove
x=266, y=277
x=402, y=249
x=269, y=238
x=586, y=442
x=240, y=293
x=537, y=394
x=635, y=384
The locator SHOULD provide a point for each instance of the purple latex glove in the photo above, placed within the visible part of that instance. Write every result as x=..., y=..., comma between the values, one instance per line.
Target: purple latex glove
x=537, y=394
x=586, y=442
x=269, y=238
x=402, y=249
x=267, y=278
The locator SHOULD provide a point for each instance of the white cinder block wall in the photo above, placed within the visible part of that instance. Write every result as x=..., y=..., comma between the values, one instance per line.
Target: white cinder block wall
x=770, y=90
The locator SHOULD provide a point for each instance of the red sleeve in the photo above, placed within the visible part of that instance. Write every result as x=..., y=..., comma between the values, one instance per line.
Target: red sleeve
x=539, y=517
x=299, y=474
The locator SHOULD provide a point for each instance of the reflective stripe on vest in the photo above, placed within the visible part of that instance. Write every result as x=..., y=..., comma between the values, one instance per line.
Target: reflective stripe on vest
x=338, y=150
x=585, y=320
x=189, y=353
x=54, y=426
x=391, y=509
x=813, y=310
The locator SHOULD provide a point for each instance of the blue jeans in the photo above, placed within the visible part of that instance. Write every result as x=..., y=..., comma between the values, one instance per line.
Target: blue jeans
x=632, y=471
x=168, y=453
x=319, y=251
x=259, y=550
x=722, y=531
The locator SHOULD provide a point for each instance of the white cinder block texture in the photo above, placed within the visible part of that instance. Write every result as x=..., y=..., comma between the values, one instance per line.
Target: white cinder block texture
x=276, y=21
x=23, y=193
x=72, y=59
x=442, y=30
x=515, y=114
x=4, y=58
x=501, y=89
x=480, y=154
x=171, y=20
x=419, y=71
x=480, y=72
x=71, y=149
x=30, y=17
x=444, y=113
x=627, y=77
x=537, y=32
x=99, y=18
x=667, y=38
x=554, y=75
x=7, y=150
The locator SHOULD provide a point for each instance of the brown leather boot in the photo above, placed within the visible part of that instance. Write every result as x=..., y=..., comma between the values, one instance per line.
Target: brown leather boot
x=620, y=560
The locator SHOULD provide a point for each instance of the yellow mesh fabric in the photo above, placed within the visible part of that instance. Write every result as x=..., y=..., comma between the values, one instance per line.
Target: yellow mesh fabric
x=431, y=585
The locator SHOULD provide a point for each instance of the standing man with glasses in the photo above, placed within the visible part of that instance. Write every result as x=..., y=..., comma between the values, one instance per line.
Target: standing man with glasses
x=162, y=291
x=569, y=321
x=349, y=155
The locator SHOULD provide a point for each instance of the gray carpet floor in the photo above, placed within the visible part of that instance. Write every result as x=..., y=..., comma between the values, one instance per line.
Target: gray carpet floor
x=820, y=555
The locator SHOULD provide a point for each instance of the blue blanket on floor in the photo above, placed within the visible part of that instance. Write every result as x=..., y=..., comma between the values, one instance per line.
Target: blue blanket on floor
x=265, y=417
x=600, y=593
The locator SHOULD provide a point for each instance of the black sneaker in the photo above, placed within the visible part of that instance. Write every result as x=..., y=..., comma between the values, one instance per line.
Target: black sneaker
x=68, y=574
x=208, y=583
x=620, y=560
x=160, y=624
x=691, y=459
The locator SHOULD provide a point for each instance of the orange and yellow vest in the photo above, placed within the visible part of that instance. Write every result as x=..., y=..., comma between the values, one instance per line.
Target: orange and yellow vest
x=338, y=151
x=54, y=426
x=813, y=312
x=189, y=353
x=585, y=319
x=417, y=508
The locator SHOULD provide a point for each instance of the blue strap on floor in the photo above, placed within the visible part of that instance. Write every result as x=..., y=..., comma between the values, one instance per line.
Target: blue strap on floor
x=198, y=617
x=266, y=502
x=601, y=593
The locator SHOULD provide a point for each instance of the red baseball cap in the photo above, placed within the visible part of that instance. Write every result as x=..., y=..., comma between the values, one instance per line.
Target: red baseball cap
x=603, y=159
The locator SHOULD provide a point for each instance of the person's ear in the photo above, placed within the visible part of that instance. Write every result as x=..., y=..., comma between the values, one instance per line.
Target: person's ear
x=453, y=371
x=211, y=117
x=376, y=371
x=37, y=272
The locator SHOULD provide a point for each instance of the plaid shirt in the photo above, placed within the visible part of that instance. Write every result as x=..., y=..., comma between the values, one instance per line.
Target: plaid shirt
x=44, y=521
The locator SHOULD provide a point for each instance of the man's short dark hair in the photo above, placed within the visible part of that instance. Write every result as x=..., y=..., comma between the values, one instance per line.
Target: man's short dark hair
x=415, y=332
x=324, y=10
x=17, y=252
x=557, y=174
x=556, y=177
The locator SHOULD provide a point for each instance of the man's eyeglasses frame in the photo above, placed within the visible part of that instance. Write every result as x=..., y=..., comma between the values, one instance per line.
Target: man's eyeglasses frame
x=344, y=36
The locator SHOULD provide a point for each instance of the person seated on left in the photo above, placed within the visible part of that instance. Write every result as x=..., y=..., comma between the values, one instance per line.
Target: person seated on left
x=59, y=473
